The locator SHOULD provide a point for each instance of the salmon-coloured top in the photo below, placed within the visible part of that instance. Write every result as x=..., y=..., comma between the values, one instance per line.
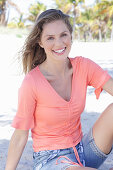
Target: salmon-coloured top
x=54, y=122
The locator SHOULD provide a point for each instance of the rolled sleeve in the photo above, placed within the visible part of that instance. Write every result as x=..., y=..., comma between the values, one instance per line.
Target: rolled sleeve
x=21, y=123
x=24, y=118
x=97, y=77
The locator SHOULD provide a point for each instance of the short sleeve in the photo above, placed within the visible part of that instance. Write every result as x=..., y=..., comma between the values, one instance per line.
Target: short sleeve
x=24, y=118
x=97, y=77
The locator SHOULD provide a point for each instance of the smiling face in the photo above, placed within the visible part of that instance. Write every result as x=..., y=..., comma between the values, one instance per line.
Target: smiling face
x=56, y=40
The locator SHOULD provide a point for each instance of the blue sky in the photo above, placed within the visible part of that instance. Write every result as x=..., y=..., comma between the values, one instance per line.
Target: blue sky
x=24, y=5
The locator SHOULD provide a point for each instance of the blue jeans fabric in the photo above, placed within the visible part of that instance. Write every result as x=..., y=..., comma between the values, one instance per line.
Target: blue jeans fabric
x=89, y=154
x=94, y=157
x=46, y=160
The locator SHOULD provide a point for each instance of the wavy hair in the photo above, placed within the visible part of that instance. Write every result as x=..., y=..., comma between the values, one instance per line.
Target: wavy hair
x=32, y=53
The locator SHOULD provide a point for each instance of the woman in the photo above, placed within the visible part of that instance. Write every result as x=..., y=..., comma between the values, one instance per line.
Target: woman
x=52, y=98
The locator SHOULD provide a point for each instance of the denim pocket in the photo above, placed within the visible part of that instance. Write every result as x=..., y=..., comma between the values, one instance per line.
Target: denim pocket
x=42, y=157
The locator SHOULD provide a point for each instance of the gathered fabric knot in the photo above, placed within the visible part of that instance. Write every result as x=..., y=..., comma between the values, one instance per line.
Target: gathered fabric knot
x=64, y=161
x=69, y=160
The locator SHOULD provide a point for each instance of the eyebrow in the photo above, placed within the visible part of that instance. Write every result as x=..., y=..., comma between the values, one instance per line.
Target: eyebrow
x=53, y=35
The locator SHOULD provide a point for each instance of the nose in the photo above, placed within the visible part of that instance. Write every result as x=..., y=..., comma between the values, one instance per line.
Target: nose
x=58, y=42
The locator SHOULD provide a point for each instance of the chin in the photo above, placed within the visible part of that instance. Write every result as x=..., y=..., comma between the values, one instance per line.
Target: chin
x=60, y=58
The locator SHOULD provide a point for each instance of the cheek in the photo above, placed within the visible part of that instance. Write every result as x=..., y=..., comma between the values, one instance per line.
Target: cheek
x=47, y=46
x=68, y=41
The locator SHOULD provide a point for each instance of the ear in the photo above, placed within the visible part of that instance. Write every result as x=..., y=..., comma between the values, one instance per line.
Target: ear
x=40, y=43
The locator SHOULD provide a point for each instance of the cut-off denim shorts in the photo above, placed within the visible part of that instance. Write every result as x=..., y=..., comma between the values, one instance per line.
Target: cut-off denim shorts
x=90, y=156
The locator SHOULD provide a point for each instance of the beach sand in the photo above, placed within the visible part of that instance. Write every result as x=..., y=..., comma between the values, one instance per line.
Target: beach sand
x=11, y=80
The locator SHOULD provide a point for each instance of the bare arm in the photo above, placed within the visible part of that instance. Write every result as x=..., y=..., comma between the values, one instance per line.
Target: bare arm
x=16, y=147
x=108, y=87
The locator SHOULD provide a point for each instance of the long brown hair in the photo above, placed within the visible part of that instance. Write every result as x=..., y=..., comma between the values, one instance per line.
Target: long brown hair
x=32, y=53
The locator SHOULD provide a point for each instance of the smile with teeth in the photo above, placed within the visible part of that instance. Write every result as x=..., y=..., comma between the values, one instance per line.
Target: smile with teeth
x=59, y=51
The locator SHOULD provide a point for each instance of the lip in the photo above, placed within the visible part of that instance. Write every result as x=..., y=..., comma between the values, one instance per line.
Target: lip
x=59, y=50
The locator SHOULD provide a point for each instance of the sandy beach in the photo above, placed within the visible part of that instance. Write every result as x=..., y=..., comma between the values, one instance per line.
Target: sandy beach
x=101, y=53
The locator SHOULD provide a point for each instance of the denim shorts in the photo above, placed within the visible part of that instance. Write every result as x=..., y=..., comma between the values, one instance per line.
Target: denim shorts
x=90, y=156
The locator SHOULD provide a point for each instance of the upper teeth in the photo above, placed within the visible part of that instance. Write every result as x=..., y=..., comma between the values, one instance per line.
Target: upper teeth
x=59, y=51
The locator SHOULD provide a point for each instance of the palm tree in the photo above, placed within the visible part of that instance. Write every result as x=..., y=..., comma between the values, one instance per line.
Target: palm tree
x=86, y=20
x=70, y=7
x=76, y=11
x=2, y=12
x=104, y=13
x=35, y=10
x=109, y=10
x=99, y=19
x=4, y=4
x=98, y=1
x=63, y=5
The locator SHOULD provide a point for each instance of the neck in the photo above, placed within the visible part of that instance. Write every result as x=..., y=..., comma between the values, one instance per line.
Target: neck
x=56, y=67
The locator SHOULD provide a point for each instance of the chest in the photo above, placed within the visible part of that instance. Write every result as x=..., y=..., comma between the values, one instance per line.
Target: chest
x=59, y=99
x=61, y=85
x=61, y=90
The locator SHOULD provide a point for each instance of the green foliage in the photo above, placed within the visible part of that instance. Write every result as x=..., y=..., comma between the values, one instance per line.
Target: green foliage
x=92, y=21
x=19, y=35
x=2, y=2
x=76, y=1
x=17, y=22
x=36, y=9
x=4, y=16
x=12, y=25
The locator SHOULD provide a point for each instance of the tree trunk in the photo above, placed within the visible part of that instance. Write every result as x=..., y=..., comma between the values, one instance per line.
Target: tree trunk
x=78, y=34
x=74, y=20
x=85, y=38
x=112, y=32
x=100, y=34
x=7, y=19
x=105, y=34
x=105, y=37
x=74, y=26
x=2, y=19
x=89, y=35
x=3, y=9
x=2, y=13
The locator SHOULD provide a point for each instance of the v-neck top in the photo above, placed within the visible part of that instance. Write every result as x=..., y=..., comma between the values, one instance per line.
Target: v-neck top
x=54, y=122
